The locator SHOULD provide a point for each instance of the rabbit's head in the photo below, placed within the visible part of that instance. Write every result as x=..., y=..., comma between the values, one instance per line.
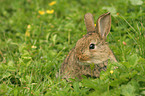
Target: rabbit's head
x=93, y=48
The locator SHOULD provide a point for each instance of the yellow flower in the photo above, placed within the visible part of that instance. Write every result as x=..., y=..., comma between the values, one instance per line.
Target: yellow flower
x=27, y=33
x=50, y=11
x=111, y=71
x=52, y=3
x=52, y=26
x=41, y=12
x=29, y=26
x=33, y=46
x=95, y=25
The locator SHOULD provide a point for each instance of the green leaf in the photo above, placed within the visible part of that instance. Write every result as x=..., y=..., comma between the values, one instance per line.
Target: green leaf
x=54, y=38
x=111, y=9
x=133, y=60
x=143, y=93
x=15, y=92
x=128, y=90
x=3, y=89
x=136, y=2
x=76, y=86
x=5, y=75
x=11, y=64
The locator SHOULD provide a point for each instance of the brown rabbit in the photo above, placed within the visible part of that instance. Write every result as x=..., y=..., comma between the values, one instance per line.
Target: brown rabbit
x=90, y=50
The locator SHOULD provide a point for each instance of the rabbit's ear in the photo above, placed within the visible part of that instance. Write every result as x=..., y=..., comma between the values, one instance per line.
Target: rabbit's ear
x=103, y=25
x=89, y=22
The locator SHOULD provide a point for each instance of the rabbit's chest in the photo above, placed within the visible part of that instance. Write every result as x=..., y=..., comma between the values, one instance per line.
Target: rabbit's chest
x=92, y=71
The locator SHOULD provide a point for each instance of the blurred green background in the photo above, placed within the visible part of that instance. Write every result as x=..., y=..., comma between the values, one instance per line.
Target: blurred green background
x=36, y=36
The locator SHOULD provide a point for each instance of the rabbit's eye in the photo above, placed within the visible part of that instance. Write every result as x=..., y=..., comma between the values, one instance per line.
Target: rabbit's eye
x=92, y=46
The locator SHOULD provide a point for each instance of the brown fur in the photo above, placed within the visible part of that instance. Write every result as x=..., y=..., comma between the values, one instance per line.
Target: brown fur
x=80, y=58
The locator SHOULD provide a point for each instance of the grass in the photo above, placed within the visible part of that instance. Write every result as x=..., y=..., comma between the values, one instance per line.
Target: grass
x=33, y=45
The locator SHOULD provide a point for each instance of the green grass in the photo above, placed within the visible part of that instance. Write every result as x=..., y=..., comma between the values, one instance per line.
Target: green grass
x=28, y=64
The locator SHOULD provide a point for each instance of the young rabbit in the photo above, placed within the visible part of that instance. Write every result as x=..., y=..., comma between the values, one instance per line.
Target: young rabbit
x=91, y=50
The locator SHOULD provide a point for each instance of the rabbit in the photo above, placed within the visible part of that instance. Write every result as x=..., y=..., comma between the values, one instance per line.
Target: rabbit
x=91, y=50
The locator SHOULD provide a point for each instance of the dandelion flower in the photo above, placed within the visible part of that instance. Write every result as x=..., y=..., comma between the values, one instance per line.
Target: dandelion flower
x=33, y=47
x=95, y=25
x=41, y=12
x=52, y=3
x=111, y=71
x=50, y=11
x=29, y=26
x=27, y=33
x=52, y=26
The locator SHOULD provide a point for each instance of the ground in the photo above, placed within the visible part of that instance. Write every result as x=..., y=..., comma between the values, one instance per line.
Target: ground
x=36, y=36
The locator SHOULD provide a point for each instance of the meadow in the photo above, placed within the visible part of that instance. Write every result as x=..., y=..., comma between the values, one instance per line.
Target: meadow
x=36, y=36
